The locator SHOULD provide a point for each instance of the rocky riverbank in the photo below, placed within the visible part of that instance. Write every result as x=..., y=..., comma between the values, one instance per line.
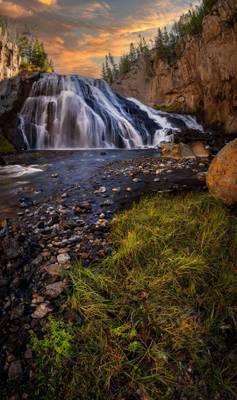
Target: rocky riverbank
x=41, y=243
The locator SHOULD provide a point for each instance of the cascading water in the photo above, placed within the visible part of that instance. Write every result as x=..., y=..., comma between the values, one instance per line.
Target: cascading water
x=70, y=112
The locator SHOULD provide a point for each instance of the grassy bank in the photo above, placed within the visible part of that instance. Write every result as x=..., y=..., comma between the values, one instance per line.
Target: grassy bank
x=158, y=314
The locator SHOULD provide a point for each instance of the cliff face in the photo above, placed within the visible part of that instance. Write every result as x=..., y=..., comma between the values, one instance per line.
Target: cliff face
x=13, y=93
x=9, y=57
x=204, y=79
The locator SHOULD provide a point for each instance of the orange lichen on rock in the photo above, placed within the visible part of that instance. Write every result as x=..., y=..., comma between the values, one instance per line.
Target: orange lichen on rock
x=222, y=174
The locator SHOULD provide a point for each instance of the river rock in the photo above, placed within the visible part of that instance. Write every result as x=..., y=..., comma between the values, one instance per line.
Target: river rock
x=54, y=269
x=41, y=311
x=170, y=150
x=200, y=150
x=179, y=151
x=55, y=289
x=222, y=174
x=15, y=370
x=63, y=258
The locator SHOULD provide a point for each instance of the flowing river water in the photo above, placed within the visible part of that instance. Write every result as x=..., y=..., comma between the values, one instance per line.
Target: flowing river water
x=35, y=175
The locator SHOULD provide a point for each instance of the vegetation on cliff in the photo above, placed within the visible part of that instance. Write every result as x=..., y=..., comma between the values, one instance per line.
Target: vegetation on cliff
x=168, y=44
x=33, y=55
x=31, y=50
x=155, y=319
x=5, y=145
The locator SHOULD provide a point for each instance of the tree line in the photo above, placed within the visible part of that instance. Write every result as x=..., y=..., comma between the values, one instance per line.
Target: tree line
x=168, y=44
x=33, y=55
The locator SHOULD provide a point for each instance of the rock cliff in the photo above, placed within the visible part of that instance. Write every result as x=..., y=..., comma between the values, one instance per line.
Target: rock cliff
x=9, y=56
x=203, y=80
x=13, y=93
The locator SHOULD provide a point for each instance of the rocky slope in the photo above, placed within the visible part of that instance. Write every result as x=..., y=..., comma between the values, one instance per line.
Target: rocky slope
x=204, y=79
x=9, y=56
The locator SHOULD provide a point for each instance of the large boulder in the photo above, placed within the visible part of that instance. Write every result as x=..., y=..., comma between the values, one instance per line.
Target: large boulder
x=222, y=174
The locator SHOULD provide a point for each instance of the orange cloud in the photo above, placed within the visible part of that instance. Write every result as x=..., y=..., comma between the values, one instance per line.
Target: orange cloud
x=90, y=50
x=48, y=2
x=14, y=10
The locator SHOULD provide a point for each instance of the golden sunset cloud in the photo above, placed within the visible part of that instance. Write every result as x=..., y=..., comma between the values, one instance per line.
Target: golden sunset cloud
x=48, y=2
x=79, y=34
x=13, y=10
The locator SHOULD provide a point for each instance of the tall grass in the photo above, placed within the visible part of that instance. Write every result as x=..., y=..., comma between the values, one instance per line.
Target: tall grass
x=159, y=314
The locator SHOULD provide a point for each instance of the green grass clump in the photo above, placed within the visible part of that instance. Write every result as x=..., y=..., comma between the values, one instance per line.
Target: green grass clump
x=5, y=145
x=175, y=108
x=159, y=314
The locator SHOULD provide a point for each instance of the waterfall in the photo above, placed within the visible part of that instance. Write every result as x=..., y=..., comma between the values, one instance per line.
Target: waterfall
x=72, y=112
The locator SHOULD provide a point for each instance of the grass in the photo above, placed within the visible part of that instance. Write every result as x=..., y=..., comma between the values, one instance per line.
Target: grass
x=5, y=146
x=159, y=314
x=176, y=108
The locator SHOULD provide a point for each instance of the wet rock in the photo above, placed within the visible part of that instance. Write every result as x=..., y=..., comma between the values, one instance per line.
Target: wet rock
x=102, y=189
x=83, y=206
x=222, y=173
x=136, y=180
x=116, y=190
x=55, y=289
x=107, y=203
x=15, y=370
x=101, y=223
x=26, y=202
x=41, y=311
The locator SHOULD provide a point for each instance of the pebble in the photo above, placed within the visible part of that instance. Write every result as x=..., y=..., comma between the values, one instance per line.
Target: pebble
x=15, y=370
x=63, y=258
x=41, y=311
x=116, y=190
x=54, y=270
x=55, y=289
x=102, y=189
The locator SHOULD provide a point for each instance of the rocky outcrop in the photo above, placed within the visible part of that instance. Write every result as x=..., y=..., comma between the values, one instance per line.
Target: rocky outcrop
x=203, y=80
x=9, y=56
x=222, y=174
x=13, y=93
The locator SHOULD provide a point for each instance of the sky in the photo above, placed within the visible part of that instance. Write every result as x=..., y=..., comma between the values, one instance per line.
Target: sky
x=78, y=33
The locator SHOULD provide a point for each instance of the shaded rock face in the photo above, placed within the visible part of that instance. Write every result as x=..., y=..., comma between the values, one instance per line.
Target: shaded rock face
x=9, y=56
x=13, y=93
x=222, y=174
x=203, y=80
